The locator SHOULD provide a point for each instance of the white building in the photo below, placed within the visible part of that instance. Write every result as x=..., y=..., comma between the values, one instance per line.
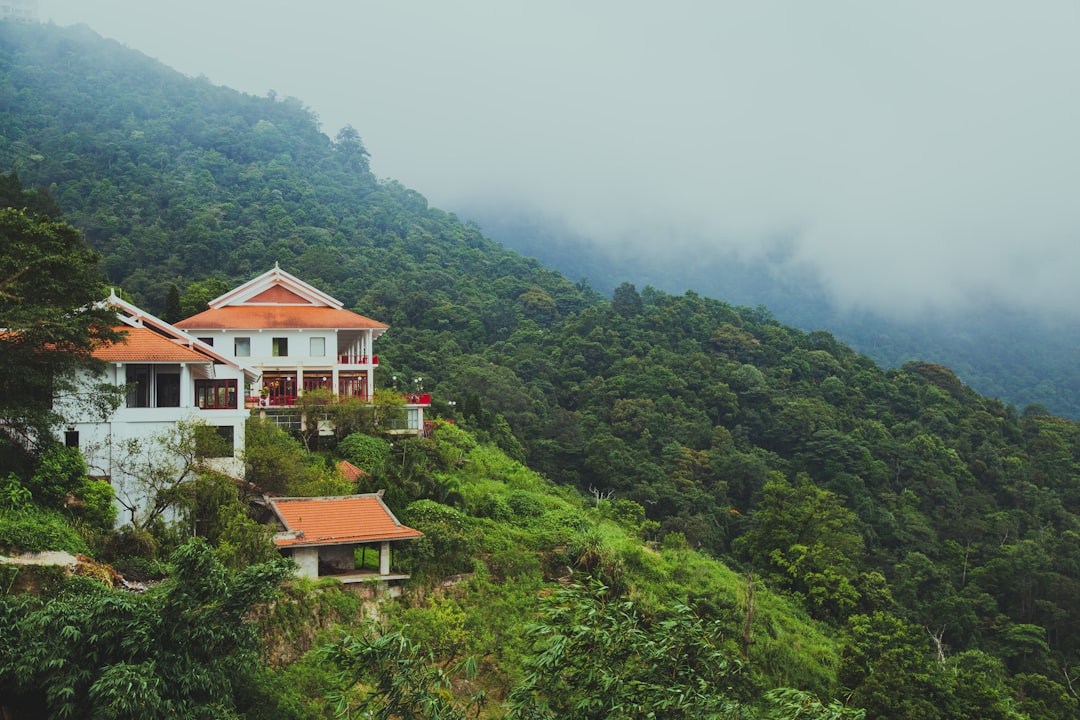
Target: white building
x=296, y=338
x=167, y=377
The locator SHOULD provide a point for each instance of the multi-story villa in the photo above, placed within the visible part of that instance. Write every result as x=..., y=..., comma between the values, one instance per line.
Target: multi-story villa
x=259, y=345
x=297, y=338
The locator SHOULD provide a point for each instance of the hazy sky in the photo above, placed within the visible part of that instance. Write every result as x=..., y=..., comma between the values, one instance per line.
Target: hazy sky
x=912, y=153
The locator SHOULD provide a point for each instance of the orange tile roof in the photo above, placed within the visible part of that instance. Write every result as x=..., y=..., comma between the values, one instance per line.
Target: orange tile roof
x=144, y=345
x=271, y=316
x=337, y=521
x=350, y=472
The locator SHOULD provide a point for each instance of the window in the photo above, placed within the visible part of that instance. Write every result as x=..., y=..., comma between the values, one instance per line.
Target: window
x=242, y=347
x=208, y=340
x=168, y=390
x=71, y=438
x=150, y=386
x=318, y=347
x=281, y=347
x=215, y=394
x=140, y=380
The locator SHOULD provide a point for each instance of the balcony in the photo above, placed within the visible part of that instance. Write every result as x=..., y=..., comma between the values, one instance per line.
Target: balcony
x=350, y=359
x=255, y=401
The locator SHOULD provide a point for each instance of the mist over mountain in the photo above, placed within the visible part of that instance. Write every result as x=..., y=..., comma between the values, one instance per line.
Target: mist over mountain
x=1002, y=350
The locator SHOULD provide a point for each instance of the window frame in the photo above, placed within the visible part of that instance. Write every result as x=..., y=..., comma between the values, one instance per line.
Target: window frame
x=209, y=394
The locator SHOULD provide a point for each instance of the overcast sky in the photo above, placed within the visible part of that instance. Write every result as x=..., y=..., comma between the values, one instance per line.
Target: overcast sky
x=914, y=154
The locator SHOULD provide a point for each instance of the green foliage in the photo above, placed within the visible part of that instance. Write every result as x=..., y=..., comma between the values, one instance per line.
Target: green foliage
x=96, y=505
x=49, y=284
x=60, y=471
x=805, y=536
x=273, y=458
x=32, y=529
x=184, y=647
x=13, y=495
x=597, y=656
x=404, y=683
x=791, y=704
x=365, y=451
x=448, y=543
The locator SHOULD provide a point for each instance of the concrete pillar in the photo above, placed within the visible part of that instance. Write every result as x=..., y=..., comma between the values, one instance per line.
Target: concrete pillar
x=384, y=557
x=187, y=387
x=307, y=561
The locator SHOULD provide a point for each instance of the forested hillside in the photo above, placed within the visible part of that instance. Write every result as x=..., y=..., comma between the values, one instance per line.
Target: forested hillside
x=934, y=531
x=1020, y=357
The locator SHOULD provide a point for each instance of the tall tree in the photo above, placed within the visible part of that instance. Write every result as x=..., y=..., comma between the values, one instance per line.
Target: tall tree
x=50, y=318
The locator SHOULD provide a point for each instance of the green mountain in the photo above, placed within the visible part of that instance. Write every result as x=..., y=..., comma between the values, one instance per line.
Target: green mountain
x=1016, y=356
x=931, y=533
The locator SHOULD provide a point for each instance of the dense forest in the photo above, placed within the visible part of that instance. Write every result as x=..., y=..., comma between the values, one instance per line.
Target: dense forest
x=757, y=520
x=1019, y=356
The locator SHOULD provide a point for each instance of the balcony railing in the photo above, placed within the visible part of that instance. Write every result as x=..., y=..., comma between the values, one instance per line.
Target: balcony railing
x=351, y=359
x=253, y=401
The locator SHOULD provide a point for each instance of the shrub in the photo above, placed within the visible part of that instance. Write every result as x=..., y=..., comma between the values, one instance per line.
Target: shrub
x=38, y=530
x=448, y=543
x=525, y=504
x=366, y=452
x=97, y=506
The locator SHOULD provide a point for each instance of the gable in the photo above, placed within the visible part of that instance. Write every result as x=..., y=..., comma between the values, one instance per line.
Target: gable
x=277, y=295
x=275, y=286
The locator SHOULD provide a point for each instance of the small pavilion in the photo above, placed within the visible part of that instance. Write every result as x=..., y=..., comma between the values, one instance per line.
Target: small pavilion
x=322, y=534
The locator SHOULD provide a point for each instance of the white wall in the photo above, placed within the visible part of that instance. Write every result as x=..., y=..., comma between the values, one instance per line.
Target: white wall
x=105, y=442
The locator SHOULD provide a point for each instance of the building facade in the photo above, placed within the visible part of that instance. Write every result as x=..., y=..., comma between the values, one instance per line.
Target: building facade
x=163, y=377
x=296, y=338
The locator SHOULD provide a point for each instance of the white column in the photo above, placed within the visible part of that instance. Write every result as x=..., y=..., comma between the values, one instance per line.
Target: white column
x=187, y=387
x=384, y=557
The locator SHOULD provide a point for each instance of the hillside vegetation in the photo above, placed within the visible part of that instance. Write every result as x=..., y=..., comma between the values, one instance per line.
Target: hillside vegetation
x=914, y=546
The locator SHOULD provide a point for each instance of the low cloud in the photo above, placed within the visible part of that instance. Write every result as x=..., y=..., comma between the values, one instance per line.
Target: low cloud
x=911, y=156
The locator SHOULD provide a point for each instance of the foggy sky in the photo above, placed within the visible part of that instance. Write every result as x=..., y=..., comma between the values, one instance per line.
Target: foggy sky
x=912, y=155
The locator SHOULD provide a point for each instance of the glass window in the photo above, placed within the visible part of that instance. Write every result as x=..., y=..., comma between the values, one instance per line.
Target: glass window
x=215, y=394
x=140, y=380
x=318, y=347
x=242, y=347
x=281, y=347
x=208, y=340
x=168, y=390
x=71, y=438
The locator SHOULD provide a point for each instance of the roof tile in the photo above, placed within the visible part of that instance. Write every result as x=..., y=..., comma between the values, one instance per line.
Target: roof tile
x=271, y=316
x=338, y=520
x=145, y=345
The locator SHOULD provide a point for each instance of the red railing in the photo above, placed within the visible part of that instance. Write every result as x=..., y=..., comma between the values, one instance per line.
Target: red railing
x=358, y=359
x=423, y=399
